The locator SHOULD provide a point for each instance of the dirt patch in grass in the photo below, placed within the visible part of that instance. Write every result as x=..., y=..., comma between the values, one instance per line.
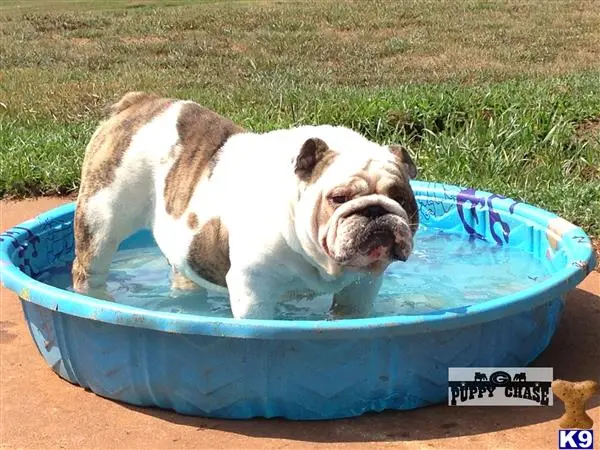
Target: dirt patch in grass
x=143, y=39
x=81, y=41
x=238, y=47
x=587, y=130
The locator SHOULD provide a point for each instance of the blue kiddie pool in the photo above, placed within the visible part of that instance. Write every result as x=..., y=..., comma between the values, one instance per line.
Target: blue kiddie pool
x=485, y=286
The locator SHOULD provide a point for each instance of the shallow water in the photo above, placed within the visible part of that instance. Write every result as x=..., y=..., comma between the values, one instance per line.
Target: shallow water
x=446, y=271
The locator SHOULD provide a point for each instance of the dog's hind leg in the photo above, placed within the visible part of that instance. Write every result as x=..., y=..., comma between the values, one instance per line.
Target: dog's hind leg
x=104, y=217
x=100, y=225
x=93, y=255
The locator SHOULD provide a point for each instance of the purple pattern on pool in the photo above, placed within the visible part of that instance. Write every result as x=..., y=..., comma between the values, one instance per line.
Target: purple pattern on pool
x=469, y=196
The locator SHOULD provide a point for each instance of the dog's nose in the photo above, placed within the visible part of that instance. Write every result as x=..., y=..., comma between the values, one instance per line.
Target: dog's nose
x=374, y=211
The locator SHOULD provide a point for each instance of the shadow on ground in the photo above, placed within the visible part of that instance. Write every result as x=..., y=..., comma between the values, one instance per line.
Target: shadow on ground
x=573, y=353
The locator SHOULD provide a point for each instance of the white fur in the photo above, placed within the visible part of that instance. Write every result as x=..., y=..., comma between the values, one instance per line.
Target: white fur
x=255, y=193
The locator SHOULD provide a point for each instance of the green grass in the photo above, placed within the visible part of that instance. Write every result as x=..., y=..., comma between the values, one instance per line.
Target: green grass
x=501, y=96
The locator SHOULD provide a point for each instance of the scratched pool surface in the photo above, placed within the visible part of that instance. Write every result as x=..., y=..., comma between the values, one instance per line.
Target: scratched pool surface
x=446, y=270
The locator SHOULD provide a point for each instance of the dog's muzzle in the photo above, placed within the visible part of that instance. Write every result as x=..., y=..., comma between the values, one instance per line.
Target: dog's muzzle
x=374, y=229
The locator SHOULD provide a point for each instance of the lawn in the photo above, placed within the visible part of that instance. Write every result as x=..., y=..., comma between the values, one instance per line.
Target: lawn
x=501, y=96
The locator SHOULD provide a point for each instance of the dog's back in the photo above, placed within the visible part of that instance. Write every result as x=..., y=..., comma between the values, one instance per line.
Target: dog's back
x=140, y=169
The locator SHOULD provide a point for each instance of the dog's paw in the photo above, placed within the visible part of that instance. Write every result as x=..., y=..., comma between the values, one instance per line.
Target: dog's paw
x=180, y=282
x=100, y=293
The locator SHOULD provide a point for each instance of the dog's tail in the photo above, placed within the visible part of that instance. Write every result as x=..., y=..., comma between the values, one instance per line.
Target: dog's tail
x=128, y=100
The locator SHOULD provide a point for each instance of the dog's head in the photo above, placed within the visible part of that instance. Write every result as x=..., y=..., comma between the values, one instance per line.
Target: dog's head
x=356, y=209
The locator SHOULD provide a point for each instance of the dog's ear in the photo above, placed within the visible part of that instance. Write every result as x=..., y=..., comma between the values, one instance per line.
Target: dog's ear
x=311, y=153
x=404, y=158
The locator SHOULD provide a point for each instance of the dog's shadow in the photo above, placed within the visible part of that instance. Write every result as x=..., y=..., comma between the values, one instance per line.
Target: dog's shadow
x=574, y=353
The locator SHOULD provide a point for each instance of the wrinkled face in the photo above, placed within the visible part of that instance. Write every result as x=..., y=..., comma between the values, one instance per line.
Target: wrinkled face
x=368, y=221
x=364, y=219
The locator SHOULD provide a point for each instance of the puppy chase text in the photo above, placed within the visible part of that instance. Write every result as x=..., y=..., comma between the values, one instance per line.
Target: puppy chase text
x=499, y=386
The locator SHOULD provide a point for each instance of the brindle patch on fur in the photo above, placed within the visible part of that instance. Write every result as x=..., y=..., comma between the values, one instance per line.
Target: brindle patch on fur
x=103, y=155
x=202, y=133
x=209, y=252
x=84, y=250
x=192, y=221
x=113, y=137
x=130, y=99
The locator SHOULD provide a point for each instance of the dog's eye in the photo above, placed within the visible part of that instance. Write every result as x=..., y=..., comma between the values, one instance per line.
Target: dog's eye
x=338, y=199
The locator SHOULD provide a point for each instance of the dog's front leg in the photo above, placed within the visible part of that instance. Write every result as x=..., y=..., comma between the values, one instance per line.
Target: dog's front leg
x=356, y=299
x=252, y=296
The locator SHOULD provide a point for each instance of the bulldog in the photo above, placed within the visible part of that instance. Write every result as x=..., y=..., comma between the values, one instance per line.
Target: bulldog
x=304, y=211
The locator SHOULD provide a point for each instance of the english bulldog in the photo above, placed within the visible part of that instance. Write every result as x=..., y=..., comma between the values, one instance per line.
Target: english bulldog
x=306, y=211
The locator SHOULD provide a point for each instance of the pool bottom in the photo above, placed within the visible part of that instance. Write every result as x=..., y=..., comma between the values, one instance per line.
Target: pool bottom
x=446, y=271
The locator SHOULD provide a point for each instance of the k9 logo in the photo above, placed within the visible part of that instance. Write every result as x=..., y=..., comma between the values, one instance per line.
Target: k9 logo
x=575, y=439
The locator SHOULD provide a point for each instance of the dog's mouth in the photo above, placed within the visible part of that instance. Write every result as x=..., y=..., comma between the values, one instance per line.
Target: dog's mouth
x=369, y=243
